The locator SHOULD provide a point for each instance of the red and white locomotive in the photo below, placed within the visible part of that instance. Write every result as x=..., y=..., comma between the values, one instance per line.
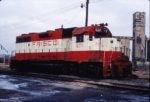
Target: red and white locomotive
x=88, y=51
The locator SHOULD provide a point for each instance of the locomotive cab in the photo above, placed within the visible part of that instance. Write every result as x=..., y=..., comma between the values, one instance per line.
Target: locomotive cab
x=96, y=46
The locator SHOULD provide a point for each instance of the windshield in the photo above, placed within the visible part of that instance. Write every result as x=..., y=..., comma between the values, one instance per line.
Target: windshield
x=100, y=33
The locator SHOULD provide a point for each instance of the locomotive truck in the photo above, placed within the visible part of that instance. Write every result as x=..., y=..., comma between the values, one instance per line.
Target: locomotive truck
x=84, y=51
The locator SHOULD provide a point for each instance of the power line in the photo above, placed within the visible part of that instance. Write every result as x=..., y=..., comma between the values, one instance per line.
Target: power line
x=75, y=17
x=95, y=1
x=54, y=12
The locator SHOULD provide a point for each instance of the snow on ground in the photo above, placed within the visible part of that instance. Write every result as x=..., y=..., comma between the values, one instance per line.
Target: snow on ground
x=33, y=87
x=20, y=89
x=8, y=85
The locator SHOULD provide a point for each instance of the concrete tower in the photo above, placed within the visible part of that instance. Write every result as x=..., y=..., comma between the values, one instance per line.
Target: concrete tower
x=139, y=43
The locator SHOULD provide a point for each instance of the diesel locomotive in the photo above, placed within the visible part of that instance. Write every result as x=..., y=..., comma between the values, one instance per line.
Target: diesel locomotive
x=83, y=51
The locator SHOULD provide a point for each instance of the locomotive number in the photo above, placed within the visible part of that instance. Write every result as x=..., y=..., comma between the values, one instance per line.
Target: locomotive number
x=79, y=45
x=97, y=29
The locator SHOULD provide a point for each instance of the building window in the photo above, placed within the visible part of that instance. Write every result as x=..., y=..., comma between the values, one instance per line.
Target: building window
x=79, y=38
x=126, y=51
x=121, y=49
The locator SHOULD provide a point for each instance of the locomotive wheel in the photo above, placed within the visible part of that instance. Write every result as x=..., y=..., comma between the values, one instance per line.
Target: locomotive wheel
x=94, y=70
x=98, y=73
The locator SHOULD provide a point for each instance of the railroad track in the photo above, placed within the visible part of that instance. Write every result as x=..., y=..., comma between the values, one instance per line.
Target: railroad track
x=81, y=80
x=121, y=86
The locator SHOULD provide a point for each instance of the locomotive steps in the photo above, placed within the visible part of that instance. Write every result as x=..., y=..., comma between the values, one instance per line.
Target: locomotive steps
x=138, y=84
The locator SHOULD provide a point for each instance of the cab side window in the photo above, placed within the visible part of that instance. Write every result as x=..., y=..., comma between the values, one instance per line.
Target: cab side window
x=90, y=36
x=80, y=38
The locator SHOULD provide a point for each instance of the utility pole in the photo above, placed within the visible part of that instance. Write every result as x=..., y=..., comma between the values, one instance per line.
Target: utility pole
x=149, y=31
x=149, y=19
x=87, y=13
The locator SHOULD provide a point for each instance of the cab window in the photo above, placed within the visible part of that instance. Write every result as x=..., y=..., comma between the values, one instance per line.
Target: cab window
x=90, y=36
x=97, y=35
x=100, y=33
x=79, y=38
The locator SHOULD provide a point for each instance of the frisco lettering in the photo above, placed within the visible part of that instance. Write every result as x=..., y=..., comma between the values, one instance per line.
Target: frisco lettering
x=45, y=43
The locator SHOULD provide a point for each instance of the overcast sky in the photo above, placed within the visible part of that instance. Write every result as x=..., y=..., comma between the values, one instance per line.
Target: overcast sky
x=24, y=16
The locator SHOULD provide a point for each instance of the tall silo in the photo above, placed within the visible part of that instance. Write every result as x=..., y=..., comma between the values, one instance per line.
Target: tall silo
x=139, y=47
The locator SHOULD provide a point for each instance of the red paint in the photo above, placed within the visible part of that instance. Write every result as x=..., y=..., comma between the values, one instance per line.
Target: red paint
x=57, y=34
x=77, y=56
